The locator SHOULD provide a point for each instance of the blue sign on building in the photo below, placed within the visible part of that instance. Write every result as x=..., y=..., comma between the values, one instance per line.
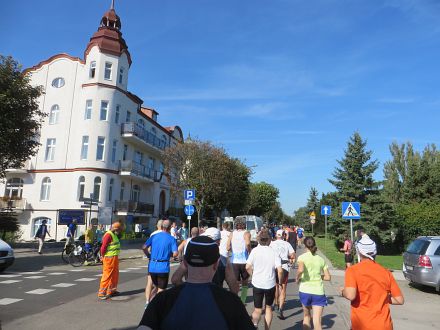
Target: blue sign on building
x=65, y=217
x=190, y=194
x=189, y=210
x=351, y=210
x=326, y=210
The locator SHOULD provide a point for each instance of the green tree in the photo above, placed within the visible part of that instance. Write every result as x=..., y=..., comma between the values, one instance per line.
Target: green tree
x=20, y=117
x=8, y=224
x=262, y=196
x=276, y=214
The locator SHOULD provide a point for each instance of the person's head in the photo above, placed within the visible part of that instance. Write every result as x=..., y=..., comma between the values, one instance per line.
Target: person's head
x=74, y=221
x=310, y=244
x=159, y=224
x=194, y=231
x=117, y=228
x=173, y=224
x=44, y=221
x=90, y=226
x=279, y=234
x=366, y=248
x=360, y=231
x=213, y=233
x=240, y=224
x=225, y=226
x=201, y=258
x=264, y=238
x=183, y=225
x=166, y=225
x=100, y=226
x=346, y=237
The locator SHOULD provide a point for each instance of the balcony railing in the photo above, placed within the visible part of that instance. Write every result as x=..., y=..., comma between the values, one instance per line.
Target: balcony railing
x=143, y=134
x=12, y=204
x=134, y=207
x=137, y=169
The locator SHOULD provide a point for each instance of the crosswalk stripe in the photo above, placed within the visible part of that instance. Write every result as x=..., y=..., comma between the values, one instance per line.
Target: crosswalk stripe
x=30, y=273
x=8, y=301
x=56, y=273
x=76, y=270
x=86, y=279
x=9, y=275
x=10, y=281
x=40, y=291
x=35, y=277
x=63, y=285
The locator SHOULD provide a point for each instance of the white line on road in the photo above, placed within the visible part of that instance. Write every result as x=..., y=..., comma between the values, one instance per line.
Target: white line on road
x=123, y=271
x=35, y=277
x=10, y=281
x=63, y=285
x=57, y=274
x=86, y=279
x=133, y=268
x=76, y=270
x=9, y=275
x=30, y=273
x=40, y=291
x=98, y=275
x=8, y=301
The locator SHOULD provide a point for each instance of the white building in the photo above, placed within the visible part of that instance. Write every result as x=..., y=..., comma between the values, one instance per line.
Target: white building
x=97, y=139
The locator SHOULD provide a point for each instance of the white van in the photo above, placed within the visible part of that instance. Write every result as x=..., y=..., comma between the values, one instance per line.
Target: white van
x=253, y=225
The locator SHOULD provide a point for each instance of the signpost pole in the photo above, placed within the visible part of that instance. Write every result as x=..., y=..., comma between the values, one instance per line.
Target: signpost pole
x=351, y=229
x=56, y=226
x=325, y=240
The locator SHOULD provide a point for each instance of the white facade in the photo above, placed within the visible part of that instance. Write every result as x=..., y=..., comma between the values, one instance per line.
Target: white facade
x=97, y=139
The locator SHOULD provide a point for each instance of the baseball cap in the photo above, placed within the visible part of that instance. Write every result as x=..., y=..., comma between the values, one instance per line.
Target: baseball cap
x=212, y=232
x=280, y=232
x=202, y=251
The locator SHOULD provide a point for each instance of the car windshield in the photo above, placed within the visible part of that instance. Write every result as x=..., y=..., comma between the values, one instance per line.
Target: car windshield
x=419, y=246
x=250, y=225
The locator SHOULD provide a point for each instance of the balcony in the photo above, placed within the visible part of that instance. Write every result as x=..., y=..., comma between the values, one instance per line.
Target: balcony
x=138, y=171
x=133, y=207
x=142, y=138
x=28, y=165
x=12, y=205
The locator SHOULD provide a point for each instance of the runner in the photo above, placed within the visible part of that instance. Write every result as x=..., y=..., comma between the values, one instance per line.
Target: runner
x=149, y=290
x=182, y=246
x=311, y=287
x=300, y=233
x=286, y=253
x=347, y=251
x=371, y=289
x=183, y=232
x=263, y=263
x=239, y=244
x=163, y=247
x=224, y=254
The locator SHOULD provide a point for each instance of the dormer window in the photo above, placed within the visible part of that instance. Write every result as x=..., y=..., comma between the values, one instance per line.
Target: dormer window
x=121, y=75
x=108, y=71
x=58, y=82
x=92, y=69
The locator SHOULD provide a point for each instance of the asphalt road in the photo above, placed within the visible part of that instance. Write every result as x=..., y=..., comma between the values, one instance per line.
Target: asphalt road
x=40, y=292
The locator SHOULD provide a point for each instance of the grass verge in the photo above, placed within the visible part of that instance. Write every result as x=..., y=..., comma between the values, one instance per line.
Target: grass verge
x=393, y=262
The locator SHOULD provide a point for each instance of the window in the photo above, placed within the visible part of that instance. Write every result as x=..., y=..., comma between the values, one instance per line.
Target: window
x=37, y=222
x=151, y=163
x=108, y=71
x=141, y=123
x=118, y=108
x=121, y=193
x=58, y=82
x=92, y=69
x=419, y=246
x=121, y=75
x=128, y=117
x=104, y=110
x=53, y=115
x=153, y=130
x=124, y=153
x=81, y=187
x=135, y=194
x=110, y=190
x=437, y=252
x=161, y=167
x=96, y=188
x=88, y=111
x=138, y=157
x=84, y=146
x=45, y=189
x=14, y=188
x=114, y=146
x=100, y=148
x=50, y=150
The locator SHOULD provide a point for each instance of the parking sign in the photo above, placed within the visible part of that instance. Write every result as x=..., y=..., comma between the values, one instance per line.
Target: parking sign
x=190, y=194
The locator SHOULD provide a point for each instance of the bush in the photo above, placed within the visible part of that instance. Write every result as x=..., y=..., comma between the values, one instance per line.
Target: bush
x=9, y=228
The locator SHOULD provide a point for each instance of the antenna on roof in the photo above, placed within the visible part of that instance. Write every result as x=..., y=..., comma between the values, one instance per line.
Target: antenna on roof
x=113, y=5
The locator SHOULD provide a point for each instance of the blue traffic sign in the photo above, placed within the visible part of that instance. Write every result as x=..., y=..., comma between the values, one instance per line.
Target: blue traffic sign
x=351, y=210
x=189, y=210
x=190, y=194
x=65, y=217
x=326, y=210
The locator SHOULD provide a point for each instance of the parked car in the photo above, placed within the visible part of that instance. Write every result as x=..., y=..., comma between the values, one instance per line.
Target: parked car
x=6, y=255
x=421, y=261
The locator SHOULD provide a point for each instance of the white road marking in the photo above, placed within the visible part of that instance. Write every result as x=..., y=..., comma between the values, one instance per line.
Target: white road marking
x=133, y=268
x=76, y=270
x=86, y=279
x=63, y=285
x=10, y=281
x=98, y=275
x=35, y=277
x=30, y=273
x=9, y=275
x=8, y=301
x=40, y=291
x=57, y=274
x=123, y=271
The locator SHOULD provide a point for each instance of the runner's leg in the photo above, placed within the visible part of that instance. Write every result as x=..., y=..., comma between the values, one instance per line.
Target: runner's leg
x=317, y=315
x=307, y=317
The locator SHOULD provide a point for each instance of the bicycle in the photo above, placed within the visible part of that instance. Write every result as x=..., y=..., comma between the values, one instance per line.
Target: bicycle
x=66, y=251
x=78, y=255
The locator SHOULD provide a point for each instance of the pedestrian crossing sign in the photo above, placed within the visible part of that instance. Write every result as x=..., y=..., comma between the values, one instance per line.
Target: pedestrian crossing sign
x=351, y=210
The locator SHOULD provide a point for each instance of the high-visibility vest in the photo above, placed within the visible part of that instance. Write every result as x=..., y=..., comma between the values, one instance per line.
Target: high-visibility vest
x=114, y=248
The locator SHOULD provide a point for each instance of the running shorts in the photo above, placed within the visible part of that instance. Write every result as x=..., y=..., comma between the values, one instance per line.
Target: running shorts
x=267, y=294
x=240, y=272
x=285, y=277
x=160, y=280
x=308, y=299
x=349, y=258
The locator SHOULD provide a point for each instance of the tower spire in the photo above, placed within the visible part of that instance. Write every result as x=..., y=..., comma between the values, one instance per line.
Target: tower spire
x=113, y=5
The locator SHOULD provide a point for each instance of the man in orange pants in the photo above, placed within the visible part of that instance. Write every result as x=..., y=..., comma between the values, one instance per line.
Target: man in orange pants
x=110, y=250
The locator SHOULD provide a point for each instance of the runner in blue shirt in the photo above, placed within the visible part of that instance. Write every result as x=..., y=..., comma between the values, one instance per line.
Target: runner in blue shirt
x=163, y=247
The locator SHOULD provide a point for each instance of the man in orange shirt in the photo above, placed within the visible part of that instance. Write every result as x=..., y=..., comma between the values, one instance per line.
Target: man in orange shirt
x=370, y=288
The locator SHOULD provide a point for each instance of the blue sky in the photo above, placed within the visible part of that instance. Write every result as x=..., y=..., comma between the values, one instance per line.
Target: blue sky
x=281, y=84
